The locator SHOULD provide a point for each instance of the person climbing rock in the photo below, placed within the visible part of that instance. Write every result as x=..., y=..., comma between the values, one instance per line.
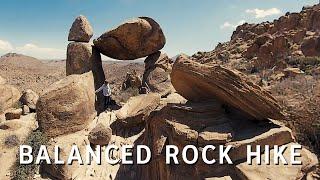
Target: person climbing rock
x=106, y=90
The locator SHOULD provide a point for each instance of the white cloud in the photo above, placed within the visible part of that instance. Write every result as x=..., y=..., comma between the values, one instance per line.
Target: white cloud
x=228, y=25
x=33, y=50
x=5, y=46
x=261, y=13
x=41, y=52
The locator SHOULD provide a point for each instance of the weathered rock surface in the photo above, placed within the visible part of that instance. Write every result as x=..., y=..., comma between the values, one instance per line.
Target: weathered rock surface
x=156, y=76
x=81, y=30
x=198, y=82
x=137, y=109
x=67, y=106
x=82, y=58
x=9, y=96
x=133, y=39
x=206, y=123
x=29, y=98
x=13, y=114
x=132, y=80
x=311, y=46
x=104, y=170
x=292, y=72
x=100, y=135
x=2, y=81
x=281, y=171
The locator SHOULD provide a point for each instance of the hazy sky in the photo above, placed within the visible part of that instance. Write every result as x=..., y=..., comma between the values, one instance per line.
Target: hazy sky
x=40, y=28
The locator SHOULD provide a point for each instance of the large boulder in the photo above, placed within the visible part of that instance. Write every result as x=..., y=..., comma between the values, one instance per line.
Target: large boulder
x=82, y=58
x=156, y=76
x=81, y=30
x=100, y=135
x=198, y=82
x=29, y=98
x=9, y=96
x=137, y=109
x=67, y=106
x=311, y=46
x=133, y=39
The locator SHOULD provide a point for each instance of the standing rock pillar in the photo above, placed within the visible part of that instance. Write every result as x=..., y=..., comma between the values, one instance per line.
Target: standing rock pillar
x=83, y=57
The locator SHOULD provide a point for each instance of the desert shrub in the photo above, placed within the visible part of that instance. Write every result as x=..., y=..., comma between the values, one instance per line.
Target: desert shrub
x=300, y=98
x=11, y=141
x=35, y=140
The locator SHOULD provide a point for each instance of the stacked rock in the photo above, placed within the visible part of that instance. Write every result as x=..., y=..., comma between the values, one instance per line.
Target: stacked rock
x=138, y=38
x=82, y=57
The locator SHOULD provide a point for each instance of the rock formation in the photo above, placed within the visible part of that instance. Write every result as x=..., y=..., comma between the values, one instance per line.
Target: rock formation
x=197, y=82
x=133, y=39
x=81, y=30
x=132, y=80
x=100, y=135
x=82, y=57
x=67, y=106
x=13, y=114
x=137, y=109
x=9, y=96
x=156, y=77
x=29, y=98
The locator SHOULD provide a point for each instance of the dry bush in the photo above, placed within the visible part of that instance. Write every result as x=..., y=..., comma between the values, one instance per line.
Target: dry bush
x=300, y=96
x=11, y=141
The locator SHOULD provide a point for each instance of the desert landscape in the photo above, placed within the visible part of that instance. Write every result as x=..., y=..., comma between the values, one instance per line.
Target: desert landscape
x=260, y=88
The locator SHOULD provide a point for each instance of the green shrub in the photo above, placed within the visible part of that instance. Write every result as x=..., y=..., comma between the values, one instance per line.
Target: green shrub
x=21, y=172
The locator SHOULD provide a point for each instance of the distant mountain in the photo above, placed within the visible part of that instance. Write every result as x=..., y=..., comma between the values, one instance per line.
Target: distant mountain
x=19, y=60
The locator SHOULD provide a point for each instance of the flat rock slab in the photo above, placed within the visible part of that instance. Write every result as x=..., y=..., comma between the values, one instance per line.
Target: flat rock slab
x=198, y=82
x=281, y=171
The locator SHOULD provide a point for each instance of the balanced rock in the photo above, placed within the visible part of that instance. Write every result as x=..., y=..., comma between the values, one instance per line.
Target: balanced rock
x=156, y=76
x=9, y=96
x=100, y=135
x=137, y=109
x=82, y=58
x=29, y=98
x=67, y=106
x=81, y=30
x=198, y=82
x=133, y=39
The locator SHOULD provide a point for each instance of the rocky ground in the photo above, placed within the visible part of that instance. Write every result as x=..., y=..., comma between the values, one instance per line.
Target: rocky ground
x=260, y=88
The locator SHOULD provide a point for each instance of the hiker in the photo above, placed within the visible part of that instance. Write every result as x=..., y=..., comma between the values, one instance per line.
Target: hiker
x=106, y=90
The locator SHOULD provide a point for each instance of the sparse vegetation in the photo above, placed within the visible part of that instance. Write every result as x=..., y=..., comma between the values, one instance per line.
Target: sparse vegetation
x=21, y=172
x=301, y=100
x=11, y=141
x=305, y=63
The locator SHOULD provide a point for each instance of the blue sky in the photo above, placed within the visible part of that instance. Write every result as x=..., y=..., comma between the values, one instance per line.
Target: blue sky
x=40, y=28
